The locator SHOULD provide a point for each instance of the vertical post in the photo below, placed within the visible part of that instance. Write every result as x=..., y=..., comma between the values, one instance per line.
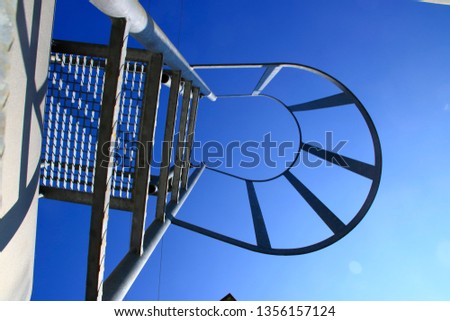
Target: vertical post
x=181, y=144
x=163, y=183
x=146, y=136
x=190, y=138
x=104, y=158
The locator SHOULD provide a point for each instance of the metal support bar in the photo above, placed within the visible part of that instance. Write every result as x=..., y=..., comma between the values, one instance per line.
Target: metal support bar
x=104, y=159
x=147, y=127
x=96, y=50
x=181, y=145
x=122, y=278
x=269, y=74
x=85, y=198
x=163, y=183
x=353, y=165
x=325, y=102
x=190, y=138
x=327, y=216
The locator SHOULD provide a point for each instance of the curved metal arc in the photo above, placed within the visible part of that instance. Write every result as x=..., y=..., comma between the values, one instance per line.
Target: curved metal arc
x=377, y=161
x=376, y=173
x=297, y=153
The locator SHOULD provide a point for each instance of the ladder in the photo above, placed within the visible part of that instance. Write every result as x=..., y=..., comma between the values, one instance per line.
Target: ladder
x=97, y=96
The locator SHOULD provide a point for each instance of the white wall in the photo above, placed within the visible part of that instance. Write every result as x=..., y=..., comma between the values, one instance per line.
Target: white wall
x=23, y=72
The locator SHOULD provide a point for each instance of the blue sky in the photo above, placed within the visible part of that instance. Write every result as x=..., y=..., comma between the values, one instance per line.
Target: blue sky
x=393, y=55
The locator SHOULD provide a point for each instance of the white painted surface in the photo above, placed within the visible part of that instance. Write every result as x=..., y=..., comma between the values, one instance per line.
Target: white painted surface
x=27, y=57
x=446, y=2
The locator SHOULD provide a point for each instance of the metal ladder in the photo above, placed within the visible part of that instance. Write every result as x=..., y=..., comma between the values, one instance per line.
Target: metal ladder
x=77, y=73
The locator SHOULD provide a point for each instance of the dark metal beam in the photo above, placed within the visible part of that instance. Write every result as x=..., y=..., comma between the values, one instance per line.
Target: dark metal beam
x=104, y=159
x=59, y=194
x=326, y=102
x=96, y=50
x=262, y=237
x=147, y=127
x=327, y=216
x=348, y=163
x=190, y=138
x=181, y=144
x=169, y=132
x=84, y=168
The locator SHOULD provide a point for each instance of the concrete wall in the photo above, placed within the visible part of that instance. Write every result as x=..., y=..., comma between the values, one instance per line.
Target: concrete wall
x=25, y=36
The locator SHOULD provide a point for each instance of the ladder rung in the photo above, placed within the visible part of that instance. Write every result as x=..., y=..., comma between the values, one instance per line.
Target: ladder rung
x=181, y=145
x=142, y=168
x=163, y=183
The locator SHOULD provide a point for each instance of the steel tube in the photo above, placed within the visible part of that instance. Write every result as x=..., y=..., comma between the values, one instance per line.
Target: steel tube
x=145, y=30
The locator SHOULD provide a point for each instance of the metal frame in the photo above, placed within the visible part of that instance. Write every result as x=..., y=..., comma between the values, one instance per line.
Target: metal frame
x=136, y=21
x=369, y=171
x=176, y=179
x=190, y=138
x=142, y=243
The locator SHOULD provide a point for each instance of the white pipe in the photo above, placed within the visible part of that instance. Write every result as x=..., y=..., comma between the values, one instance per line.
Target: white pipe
x=145, y=30
x=447, y=2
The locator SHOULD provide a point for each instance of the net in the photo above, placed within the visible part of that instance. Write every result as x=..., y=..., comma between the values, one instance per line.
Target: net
x=71, y=122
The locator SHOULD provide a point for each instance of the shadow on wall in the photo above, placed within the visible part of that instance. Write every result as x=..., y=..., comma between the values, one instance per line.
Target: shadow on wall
x=14, y=217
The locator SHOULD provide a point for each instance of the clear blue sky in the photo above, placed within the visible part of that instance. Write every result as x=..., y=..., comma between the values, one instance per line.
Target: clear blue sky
x=393, y=55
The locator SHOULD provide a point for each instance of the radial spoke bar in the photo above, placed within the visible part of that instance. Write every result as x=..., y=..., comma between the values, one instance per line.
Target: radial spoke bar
x=326, y=102
x=104, y=159
x=348, y=163
x=327, y=216
x=181, y=144
x=163, y=183
x=147, y=127
x=269, y=74
x=190, y=138
x=262, y=238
